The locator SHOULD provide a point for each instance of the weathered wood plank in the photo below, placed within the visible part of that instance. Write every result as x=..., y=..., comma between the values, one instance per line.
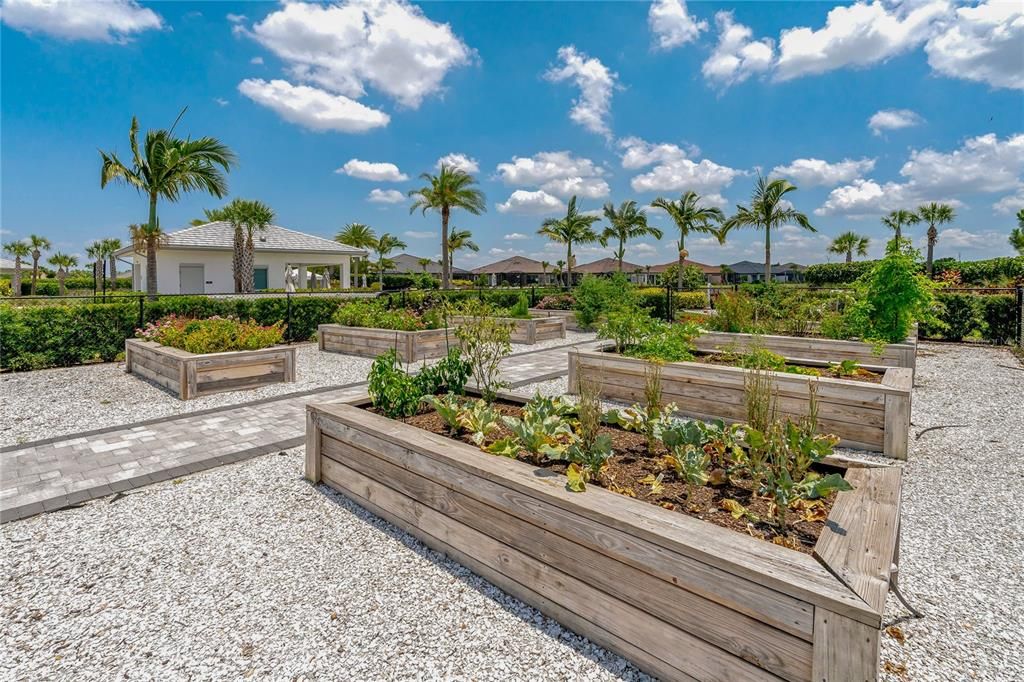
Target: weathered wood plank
x=859, y=541
x=812, y=348
x=312, y=469
x=681, y=650
x=370, y=342
x=767, y=647
x=897, y=412
x=845, y=650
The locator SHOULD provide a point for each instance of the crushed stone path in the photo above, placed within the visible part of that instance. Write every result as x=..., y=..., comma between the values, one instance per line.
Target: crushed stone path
x=56, y=473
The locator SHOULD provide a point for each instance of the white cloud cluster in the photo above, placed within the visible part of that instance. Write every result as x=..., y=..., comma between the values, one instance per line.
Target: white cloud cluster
x=737, y=56
x=313, y=108
x=984, y=44
x=893, y=119
x=385, y=196
x=370, y=170
x=596, y=83
x=1010, y=204
x=672, y=171
x=109, y=21
x=672, y=24
x=460, y=161
x=525, y=202
x=516, y=236
x=816, y=172
x=419, y=234
x=983, y=164
x=341, y=49
x=555, y=174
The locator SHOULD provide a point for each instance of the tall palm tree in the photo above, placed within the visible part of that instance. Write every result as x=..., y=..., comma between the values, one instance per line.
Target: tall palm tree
x=934, y=214
x=63, y=262
x=1017, y=233
x=574, y=228
x=255, y=217
x=146, y=241
x=94, y=252
x=898, y=219
x=450, y=188
x=167, y=166
x=544, y=265
x=19, y=250
x=37, y=244
x=849, y=242
x=689, y=216
x=112, y=246
x=358, y=236
x=625, y=223
x=769, y=209
x=382, y=246
x=459, y=240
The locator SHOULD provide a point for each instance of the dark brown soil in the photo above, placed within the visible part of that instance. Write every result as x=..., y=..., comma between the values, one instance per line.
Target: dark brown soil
x=631, y=463
x=858, y=374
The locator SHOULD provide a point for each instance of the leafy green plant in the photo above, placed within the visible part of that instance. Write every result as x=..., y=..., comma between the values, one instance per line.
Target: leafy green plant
x=392, y=390
x=374, y=314
x=545, y=406
x=448, y=408
x=734, y=312
x=521, y=310
x=480, y=419
x=958, y=315
x=595, y=296
x=626, y=326
x=846, y=368
x=213, y=335
x=666, y=342
x=758, y=357
x=591, y=449
x=486, y=341
x=543, y=437
x=448, y=375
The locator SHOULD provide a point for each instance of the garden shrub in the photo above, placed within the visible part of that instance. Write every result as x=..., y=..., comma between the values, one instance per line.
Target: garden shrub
x=521, y=309
x=556, y=302
x=837, y=273
x=595, y=296
x=693, y=277
x=998, y=317
x=983, y=272
x=50, y=287
x=957, y=314
x=373, y=314
x=212, y=335
x=34, y=337
x=734, y=313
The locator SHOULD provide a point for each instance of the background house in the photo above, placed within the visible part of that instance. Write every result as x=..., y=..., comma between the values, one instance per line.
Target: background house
x=7, y=266
x=712, y=273
x=516, y=271
x=749, y=271
x=197, y=260
x=408, y=264
x=638, y=274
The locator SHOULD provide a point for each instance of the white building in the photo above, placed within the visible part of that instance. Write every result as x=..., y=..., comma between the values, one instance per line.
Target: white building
x=197, y=260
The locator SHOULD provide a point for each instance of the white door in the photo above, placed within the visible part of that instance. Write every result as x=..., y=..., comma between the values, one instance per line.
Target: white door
x=192, y=279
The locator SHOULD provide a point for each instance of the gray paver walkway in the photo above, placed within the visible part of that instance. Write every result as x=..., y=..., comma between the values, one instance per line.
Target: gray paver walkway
x=55, y=473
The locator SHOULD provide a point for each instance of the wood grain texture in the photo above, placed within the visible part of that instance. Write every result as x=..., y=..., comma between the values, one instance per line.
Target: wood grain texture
x=845, y=650
x=410, y=346
x=813, y=348
x=569, y=316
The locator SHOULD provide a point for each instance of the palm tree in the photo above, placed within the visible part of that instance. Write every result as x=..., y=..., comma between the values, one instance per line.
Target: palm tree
x=63, y=262
x=934, y=214
x=19, y=250
x=768, y=210
x=95, y=254
x=255, y=216
x=896, y=220
x=112, y=246
x=424, y=262
x=450, y=188
x=37, y=244
x=459, y=240
x=689, y=216
x=382, y=246
x=146, y=241
x=849, y=242
x=559, y=266
x=544, y=265
x=574, y=228
x=358, y=236
x=167, y=166
x=625, y=223
x=1017, y=233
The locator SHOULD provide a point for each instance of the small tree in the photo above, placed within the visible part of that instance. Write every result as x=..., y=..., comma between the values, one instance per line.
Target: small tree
x=934, y=214
x=357, y=236
x=847, y=243
x=574, y=228
x=485, y=341
x=382, y=247
x=63, y=262
x=37, y=244
x=19, y=250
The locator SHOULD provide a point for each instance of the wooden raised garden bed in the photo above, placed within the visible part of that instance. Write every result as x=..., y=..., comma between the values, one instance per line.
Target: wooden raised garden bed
x=568, y=315
x=193, y=375
x=529, y=331
x=369, y=342
x=864, y=415
x=682, y=598
x=813, y=349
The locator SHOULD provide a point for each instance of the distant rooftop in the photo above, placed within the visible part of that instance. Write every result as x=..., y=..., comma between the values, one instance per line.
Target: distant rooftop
x=515, y=264
x=220, y=235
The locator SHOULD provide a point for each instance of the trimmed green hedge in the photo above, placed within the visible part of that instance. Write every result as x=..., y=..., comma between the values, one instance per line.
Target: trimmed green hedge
x=993, y=317
x=836, y=273
x=49, y=287
x=654, y=300
x=972, y=273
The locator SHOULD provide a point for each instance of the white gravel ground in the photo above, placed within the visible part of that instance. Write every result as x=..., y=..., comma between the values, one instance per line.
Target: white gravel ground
x=248, y=571
x=55, y=402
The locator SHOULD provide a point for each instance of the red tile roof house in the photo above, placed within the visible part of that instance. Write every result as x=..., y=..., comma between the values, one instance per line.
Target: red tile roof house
x=713, y=273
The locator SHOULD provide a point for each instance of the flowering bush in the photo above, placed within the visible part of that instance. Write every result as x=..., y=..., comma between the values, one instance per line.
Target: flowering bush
x=556, y=302
x=373, y=314
x=212, y=335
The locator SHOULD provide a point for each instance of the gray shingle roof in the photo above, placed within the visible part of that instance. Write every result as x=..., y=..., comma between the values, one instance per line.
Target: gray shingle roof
x=220, y=235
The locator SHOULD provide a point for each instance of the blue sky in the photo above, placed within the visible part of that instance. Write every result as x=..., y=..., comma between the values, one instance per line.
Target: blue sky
x=335, y=109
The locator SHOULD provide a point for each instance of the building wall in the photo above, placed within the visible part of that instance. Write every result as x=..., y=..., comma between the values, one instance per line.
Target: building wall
x=218, y=272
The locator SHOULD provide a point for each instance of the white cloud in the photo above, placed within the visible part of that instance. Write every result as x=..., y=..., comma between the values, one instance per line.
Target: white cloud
x=111, y=21
x=857, y=35
x=531, y=203
x=557, y=173
x=596, y=83
x=312, y=107
x=983, y=164
x=957, y=237
x=415, y=234
x=221, y=101
x=863, y=197
x=814, y=172
x=235, y=18
x=736, y=56
x=504, y=253
x=672, y=171
x=1011, y=203
x=385, y=196
x=256, y=60
x=369, y=170
x=460, y=161
x=516, y=236
x=893, y=119
x=983, y=43
x=671, y=23
x=343, y=47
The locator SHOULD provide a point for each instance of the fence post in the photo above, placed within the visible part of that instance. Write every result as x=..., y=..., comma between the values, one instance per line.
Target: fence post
x=668, y=302
x=1020, y=315
x=533, y=297
x=142, y=311
x=288, y=316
